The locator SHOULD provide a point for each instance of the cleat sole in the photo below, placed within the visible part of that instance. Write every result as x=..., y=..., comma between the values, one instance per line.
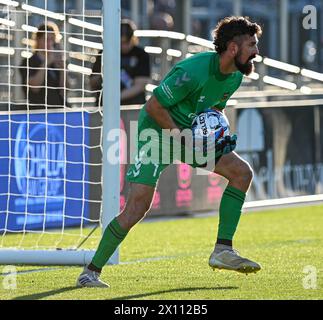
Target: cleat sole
x=244, y=270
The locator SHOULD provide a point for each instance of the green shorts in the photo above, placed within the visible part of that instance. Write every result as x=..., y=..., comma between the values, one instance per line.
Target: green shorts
x=146, y=168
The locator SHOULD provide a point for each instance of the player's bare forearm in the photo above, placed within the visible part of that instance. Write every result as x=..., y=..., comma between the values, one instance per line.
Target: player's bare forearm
x=130, y=93
x=160, y=114
x=138, y=87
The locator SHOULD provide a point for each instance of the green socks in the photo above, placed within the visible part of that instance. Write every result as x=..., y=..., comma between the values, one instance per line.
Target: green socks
x=230, y=212
x=112, y=237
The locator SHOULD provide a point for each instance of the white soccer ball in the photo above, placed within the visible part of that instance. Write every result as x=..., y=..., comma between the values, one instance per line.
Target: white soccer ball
x=210, y=126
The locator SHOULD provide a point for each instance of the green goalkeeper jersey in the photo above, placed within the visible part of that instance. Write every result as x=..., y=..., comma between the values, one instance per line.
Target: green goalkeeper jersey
x=193, y=86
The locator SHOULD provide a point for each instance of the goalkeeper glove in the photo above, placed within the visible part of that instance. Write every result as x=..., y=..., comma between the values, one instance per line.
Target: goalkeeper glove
x=226, y=145
x=222, y=146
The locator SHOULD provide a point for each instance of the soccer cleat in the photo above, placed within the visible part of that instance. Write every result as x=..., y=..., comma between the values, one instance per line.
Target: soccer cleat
x=90, y=279
x=231, y=260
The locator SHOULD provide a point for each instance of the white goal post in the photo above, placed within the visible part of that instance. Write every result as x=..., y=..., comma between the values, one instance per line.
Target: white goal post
x=39, y=187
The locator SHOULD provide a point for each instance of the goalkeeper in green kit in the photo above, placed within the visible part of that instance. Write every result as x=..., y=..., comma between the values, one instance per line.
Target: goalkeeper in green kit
x=202, y=82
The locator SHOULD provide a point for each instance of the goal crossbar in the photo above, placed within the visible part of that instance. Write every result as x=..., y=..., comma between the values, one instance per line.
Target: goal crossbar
x=46, y=257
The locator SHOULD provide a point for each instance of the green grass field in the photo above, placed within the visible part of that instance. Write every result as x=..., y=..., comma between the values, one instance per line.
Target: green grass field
x=169, y=260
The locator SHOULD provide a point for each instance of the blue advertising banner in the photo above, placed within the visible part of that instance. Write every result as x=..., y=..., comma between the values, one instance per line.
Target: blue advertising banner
x=44, y=166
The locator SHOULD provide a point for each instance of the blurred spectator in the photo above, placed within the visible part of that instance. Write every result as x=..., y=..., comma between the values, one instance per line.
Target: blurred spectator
x=162, y=15
x=197, y=28
x=135, y=68
x=43, y=73
x=162, y=21
x=168, y=6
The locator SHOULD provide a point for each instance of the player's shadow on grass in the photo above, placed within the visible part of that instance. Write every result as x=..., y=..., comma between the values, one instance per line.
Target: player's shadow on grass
x=46, y=294
x=143, y=295
x=42, y=295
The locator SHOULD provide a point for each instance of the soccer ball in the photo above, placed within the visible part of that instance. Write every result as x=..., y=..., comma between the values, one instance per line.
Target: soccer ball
x=210, y=125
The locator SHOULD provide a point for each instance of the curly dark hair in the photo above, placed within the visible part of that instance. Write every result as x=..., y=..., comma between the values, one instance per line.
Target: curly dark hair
x=49, y=27
x=230, y=27
x=128, y=28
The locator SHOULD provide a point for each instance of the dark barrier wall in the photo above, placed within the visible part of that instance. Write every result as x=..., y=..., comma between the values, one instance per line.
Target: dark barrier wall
x=284, y=148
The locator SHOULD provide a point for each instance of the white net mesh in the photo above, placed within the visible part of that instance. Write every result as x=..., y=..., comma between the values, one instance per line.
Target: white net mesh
x=50, y=137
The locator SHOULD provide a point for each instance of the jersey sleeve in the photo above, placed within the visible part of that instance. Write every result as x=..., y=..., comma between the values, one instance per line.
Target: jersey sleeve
x=175, y=87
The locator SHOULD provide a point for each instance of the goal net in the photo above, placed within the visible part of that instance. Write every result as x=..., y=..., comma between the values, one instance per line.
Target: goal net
x=51, y=146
